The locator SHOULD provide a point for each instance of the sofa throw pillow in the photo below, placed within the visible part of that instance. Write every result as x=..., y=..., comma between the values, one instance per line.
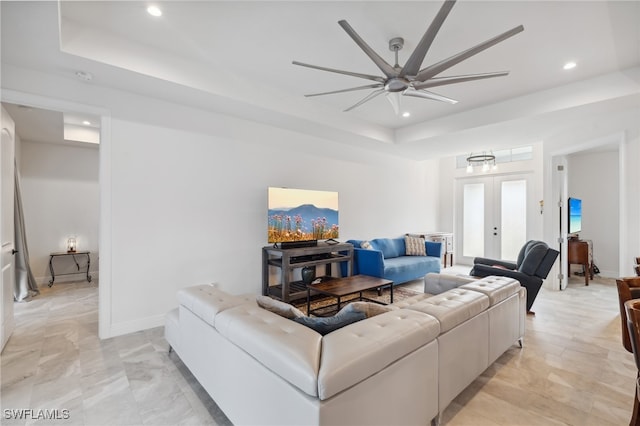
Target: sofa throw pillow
x=366, y=245
x=325, y=325
x=415, y=246
x=370, y=309
x=279, y=307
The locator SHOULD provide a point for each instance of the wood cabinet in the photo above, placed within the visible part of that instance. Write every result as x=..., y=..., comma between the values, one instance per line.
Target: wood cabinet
x=580, y=252
x=286, y=260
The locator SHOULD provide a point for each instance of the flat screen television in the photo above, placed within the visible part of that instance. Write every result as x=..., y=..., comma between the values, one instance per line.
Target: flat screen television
x=302, y=215
x=575, y=215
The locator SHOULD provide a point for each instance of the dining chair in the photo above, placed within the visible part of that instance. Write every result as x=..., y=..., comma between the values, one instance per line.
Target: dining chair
x=628, y=288
x=632, y=310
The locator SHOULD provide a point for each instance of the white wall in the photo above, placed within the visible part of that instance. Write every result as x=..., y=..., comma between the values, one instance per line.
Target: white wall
x=629, y=201
x=593, y=177
x=191, y=208
x=60, y=195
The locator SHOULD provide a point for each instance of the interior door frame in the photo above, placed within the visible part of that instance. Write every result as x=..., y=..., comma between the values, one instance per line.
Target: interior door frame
x=556, y=184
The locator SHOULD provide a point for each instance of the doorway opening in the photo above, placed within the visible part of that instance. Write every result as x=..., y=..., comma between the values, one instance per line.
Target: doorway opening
x=91, y=176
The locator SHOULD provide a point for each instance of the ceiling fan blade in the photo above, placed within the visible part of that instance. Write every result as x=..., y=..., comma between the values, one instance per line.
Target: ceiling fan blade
x=429, y=95
x=387, y=69
x=457, y=79
x=353, y=74
x=414, y=62
x=368, y=86
x=436, y=69
x=366, y=99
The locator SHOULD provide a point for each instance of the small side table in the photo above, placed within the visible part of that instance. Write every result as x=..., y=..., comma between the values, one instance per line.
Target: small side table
x=73, y=255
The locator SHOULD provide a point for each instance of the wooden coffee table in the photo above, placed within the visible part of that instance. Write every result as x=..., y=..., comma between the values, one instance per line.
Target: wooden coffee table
x=340, y=287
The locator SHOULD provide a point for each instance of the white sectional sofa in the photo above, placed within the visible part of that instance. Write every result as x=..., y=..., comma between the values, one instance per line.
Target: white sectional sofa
x=399, y=367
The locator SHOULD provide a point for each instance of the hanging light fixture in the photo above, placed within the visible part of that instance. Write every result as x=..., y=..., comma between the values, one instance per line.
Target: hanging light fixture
x=488, y=161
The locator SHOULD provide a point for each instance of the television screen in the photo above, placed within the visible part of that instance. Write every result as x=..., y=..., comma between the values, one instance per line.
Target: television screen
x=302, y=215
x=575, y=215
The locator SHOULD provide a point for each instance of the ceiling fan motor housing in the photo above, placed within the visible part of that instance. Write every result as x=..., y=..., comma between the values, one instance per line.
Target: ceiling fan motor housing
x=396, y=84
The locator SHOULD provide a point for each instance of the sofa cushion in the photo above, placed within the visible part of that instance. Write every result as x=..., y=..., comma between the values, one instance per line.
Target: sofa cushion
x=289, y=349
x=453, y=307
x=206, y=301
x=415, y=246
x=439, y=283
x=496, y=288
x=279, y=307
x=390, y=247
x=410, y=265
x=358, y=351
x=409, y=301
x=325, y=325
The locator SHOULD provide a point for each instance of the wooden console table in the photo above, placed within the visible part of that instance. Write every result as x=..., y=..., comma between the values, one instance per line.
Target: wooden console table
x=291, y=258
x=73, y=255
x=580, y=252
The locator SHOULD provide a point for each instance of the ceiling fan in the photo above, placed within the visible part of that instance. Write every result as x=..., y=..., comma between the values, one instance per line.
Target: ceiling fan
x=410, y=80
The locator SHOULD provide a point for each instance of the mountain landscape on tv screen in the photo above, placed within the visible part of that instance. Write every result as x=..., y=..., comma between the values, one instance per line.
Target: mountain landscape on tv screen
x=304, y=222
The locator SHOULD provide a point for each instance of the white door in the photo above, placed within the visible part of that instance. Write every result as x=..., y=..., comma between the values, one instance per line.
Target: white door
x=7, y=277
x=492, y=217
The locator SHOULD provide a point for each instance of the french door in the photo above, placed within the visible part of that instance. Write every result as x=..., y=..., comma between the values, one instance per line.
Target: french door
x=491, y=216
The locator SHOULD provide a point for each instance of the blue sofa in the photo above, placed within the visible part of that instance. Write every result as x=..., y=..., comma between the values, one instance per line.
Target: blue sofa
x=386, y=259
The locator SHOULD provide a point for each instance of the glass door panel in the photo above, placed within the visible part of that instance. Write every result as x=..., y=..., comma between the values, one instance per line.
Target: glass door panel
x=513, y=221
x=473, y=220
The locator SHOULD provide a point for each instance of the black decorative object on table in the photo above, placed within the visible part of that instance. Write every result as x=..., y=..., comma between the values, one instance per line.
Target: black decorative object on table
x=308, y=274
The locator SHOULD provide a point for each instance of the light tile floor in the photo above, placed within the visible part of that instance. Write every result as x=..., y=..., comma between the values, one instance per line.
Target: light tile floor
x=573, y=369
x=55, y=360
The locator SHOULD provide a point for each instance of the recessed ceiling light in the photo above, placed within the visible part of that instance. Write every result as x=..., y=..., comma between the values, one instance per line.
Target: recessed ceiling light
x=569, y=65
x=86, y=123
x=406, y=114
x=154, y=11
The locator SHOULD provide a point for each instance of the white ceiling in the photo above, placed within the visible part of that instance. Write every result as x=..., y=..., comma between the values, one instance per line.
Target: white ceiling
x=235, y=57
x=46, y=126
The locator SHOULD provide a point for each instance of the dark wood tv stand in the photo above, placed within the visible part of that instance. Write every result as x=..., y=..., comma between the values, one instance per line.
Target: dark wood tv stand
x=581, y=252
x=289, y=259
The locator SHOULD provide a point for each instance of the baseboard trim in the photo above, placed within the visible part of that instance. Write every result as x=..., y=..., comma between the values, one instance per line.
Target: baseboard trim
x=126, y=327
